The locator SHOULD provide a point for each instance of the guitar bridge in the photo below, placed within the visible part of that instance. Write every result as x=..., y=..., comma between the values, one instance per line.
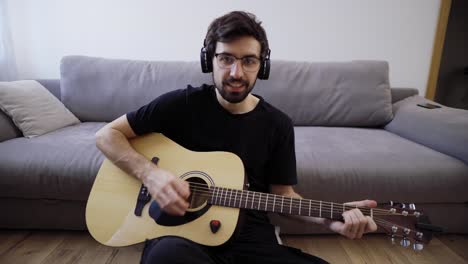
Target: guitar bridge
x=142, y=200
x=143, y=196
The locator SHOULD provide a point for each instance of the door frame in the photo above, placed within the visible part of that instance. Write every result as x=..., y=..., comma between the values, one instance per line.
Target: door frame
x=438, y=47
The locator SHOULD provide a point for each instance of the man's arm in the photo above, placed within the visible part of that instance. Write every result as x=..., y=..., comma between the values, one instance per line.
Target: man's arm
x=168, y=190
x=355, y=223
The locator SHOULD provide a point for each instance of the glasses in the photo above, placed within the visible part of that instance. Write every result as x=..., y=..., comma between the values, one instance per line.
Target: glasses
x=249, y=63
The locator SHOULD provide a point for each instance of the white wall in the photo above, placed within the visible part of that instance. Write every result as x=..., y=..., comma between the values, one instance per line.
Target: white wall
x=399, y=31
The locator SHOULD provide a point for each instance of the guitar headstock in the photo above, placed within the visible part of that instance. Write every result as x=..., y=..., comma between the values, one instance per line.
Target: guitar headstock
x=405, y=223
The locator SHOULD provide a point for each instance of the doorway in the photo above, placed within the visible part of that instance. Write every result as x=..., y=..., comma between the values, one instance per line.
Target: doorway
x=452, y=84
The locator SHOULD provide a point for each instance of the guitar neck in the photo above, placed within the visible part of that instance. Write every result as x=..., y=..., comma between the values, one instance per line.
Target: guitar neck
x=268, y=202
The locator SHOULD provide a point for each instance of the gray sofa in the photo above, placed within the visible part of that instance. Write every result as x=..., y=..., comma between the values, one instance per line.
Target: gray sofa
x=356, y=138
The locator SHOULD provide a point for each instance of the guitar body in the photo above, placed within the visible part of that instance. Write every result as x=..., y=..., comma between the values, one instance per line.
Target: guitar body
x=110, y=211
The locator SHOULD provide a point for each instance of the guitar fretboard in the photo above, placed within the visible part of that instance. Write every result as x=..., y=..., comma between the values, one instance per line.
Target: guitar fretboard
x=278, y=204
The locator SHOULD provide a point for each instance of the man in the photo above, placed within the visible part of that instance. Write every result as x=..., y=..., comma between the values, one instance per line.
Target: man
x=223, y=117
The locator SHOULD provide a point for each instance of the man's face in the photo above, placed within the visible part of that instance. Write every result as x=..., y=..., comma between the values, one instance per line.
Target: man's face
x=234, y=84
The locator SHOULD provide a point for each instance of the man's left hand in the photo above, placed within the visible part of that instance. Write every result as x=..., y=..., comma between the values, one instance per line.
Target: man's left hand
x=355, y=223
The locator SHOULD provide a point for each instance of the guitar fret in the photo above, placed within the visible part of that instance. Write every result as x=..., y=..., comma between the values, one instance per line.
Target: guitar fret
x=282, y=201
x=253, y=199
x=225, y=196
x=230, y=197
x=320, y=212
x=221, y=196
x=235, y=198
x=310, y=205
x=274, y=200
x=290, y=206
x=246, y=199
x=211, y=194
x=259, y=200
x=266, y=202
x=344, y=208
x=240, y=199
x=372, y=213
x=300, y=200
x=331, y=212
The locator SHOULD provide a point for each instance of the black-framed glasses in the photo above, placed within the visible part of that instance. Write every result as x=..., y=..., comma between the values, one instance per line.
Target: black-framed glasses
x=249, y=63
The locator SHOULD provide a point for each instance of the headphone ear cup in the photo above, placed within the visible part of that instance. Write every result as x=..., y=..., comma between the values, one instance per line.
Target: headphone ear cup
x=206, y=62
x=264, y=72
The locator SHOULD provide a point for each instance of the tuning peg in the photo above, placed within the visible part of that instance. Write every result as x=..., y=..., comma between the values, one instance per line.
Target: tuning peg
x=412, y=206
x=418, y=246
x=405, y=242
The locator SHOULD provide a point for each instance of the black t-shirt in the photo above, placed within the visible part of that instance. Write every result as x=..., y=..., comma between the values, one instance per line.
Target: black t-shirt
x=263, y=138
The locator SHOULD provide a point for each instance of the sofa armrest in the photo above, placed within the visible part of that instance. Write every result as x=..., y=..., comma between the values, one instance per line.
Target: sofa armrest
x=399, y=93
x=8, y=130
x=443, y=129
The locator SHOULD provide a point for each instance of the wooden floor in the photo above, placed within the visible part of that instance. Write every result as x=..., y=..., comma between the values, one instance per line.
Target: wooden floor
x=79, y=247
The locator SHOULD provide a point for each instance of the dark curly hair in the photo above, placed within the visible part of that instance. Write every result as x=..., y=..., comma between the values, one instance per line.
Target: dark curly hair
x=233, y=25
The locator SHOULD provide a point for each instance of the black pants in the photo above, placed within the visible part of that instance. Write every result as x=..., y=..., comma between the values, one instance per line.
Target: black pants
x=259, y=246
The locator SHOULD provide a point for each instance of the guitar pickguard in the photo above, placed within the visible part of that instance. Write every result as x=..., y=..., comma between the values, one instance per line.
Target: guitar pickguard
x=164, y=219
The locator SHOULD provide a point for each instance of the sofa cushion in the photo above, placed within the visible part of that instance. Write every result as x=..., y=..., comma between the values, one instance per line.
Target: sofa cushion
x=346, y=164
x=355, y=93
x=444, y=129
x=33, y=109
x=58, y=165
x=97, y=89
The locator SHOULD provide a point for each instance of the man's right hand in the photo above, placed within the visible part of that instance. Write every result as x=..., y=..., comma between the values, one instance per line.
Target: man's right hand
x=169, y=191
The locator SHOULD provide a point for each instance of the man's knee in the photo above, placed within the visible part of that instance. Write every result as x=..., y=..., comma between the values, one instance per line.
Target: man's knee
x=172, y=250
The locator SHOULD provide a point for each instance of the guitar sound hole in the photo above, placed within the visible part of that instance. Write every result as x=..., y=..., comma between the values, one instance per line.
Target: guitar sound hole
x=199, y=193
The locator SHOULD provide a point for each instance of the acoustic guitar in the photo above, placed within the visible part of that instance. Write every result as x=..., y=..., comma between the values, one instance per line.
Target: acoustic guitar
x=120, y=210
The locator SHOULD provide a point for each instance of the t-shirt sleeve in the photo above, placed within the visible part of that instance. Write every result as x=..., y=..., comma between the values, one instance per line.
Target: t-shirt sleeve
x=282, y=164
x=161, y=115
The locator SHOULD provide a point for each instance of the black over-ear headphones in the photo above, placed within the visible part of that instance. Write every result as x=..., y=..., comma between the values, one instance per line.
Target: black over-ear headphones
x=207, y=64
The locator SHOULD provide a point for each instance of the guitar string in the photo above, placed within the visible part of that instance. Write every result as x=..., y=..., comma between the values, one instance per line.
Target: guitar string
x=382, y=222
x=324, y=210
x=296, y=200
x=208, y=192
x=379, y=221
x=295, y=204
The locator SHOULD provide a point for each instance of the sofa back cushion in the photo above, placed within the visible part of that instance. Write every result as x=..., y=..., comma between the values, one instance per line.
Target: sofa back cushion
x=98, y=89
x=355, y=93
x=323, y=94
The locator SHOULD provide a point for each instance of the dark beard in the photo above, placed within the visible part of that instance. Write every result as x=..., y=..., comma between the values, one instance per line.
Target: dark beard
x=234, y=97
